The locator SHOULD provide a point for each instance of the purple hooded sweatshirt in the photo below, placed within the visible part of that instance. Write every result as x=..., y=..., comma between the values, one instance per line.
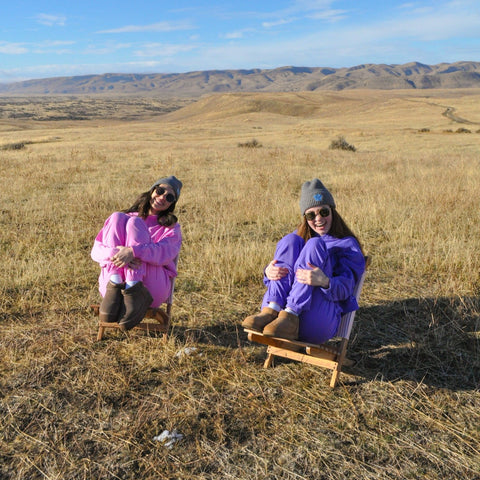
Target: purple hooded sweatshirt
x=319, y=309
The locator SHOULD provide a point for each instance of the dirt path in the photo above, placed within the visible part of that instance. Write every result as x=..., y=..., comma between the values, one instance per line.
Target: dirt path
x=450, y=113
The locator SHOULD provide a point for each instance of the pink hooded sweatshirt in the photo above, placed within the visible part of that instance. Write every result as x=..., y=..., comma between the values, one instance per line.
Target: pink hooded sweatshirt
x=158, y=255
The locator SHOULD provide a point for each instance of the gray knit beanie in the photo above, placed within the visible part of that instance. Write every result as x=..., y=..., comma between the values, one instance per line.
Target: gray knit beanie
x=174, y=182
x=314, y=194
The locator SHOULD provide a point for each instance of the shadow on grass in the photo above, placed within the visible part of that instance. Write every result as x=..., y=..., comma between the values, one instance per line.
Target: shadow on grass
x=432, y=341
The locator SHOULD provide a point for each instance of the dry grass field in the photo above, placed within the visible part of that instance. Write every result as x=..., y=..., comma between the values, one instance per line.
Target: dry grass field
x=73, y=408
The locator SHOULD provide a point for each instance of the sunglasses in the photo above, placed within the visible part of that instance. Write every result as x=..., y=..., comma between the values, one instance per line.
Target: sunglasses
x=323, y=212
x=170, y=197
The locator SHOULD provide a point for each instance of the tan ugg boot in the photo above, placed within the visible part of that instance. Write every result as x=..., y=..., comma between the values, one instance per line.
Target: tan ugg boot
x=111, y=303
x=257, y=322
x=285, y=326
x=137, y=299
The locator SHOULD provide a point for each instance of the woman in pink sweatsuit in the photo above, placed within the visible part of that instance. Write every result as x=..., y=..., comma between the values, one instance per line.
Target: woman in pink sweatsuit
x=136, y=250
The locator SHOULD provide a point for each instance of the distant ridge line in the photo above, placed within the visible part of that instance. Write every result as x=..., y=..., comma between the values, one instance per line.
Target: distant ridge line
x=413, y=75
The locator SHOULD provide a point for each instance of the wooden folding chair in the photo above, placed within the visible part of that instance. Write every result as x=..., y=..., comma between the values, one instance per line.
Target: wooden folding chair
x=161, y=317
x=331, y=355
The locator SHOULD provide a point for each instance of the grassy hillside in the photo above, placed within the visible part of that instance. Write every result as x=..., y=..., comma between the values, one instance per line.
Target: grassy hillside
x=74, y=408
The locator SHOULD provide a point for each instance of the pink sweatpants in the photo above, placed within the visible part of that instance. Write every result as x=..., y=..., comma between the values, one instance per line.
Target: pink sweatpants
x=125, y=230
x=121, y=229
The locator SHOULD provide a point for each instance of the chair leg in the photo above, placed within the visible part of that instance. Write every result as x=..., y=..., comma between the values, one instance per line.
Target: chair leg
x=101, y=330
x=335, y=376
x=269, y=360
x=341, y=358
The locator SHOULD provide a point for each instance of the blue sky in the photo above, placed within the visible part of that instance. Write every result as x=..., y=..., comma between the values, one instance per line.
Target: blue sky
x=41, y=39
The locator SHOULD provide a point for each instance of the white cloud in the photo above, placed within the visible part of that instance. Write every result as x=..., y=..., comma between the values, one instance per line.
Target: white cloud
x=329, y=15
x=56, y=47
x=154, y=27
x=12, y=48
x=51, y=20
x=162, y=50
x=276, y=23
x=105, y=49
x=58, y=51
x=431, y=27
x=320, y=10
x=57, y=43
x=237, y=34
x=232, y=35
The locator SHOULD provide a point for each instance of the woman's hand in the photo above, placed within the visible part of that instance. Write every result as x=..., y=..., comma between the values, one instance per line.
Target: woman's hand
x=135, y=263
x=275, y=273
x=314, y=277
x=124, y=257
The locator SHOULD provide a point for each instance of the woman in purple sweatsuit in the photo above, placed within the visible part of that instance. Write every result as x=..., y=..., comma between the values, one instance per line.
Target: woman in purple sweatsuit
x=136, y=250
x=311, y=280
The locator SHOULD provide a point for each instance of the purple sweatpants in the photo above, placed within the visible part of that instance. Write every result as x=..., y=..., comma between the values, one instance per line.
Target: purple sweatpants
x=319, y=317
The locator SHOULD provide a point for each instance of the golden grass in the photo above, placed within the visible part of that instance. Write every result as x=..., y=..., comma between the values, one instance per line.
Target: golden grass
x=74, y=408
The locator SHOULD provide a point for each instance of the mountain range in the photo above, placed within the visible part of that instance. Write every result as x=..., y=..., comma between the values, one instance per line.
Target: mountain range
x=412, y=75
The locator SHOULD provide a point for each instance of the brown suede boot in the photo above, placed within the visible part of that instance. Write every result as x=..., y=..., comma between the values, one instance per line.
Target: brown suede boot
x=111, y=304
x=285, y=326
x=137, y=299
x=258, y=322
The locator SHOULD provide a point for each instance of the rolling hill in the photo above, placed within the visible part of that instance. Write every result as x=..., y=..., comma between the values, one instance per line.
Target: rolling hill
x=285, y=79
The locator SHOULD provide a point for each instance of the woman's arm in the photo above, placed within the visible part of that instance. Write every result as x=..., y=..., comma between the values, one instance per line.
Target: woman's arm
x=347, y=270
x=349, y=264
x=162, y=251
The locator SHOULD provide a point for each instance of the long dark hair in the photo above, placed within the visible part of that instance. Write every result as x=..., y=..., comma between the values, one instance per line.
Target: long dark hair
x=339, y=228
x=142, y=206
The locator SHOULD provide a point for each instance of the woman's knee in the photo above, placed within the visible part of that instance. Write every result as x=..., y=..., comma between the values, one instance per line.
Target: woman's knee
x=119, y=218
x=294, y=240
x=137, y=231
x=316, y=245
x=316, y=242
x=314, y=252
x=289, y=248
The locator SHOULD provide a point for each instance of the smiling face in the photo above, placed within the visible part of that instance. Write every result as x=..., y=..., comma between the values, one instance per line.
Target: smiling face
x=162, y=197
x=319, y=219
